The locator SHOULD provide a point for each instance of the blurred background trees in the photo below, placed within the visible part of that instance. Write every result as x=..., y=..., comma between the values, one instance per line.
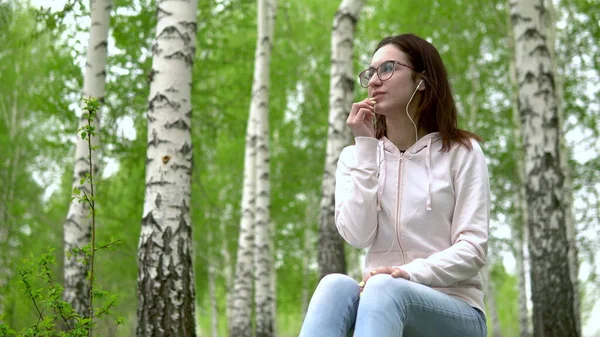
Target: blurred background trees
x=42, y=60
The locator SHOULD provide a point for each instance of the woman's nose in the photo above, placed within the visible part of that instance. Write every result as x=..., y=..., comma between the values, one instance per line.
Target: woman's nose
x=374, y=81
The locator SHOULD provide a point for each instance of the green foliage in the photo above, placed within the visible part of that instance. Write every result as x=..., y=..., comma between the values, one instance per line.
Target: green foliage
x=37, y=74
x=36, y=279
x=87, y=132
x=46, y=296
x=505, y=288
x=37, y=148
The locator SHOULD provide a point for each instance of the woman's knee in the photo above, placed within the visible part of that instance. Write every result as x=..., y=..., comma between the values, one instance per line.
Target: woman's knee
x=338, y=283
x=384, y=286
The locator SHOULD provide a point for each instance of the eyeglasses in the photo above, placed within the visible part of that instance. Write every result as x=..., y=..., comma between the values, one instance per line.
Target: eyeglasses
x=384, y=72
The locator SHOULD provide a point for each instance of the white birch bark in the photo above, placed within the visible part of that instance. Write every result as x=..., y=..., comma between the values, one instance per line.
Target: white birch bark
x=77, y=227
x=263, y=258
x=519, y=241
x=519, y=229
x=551, y=286
x=331, y=258
x=240, y=320
x=568, y=186
x=166, y=276
x=519, y=236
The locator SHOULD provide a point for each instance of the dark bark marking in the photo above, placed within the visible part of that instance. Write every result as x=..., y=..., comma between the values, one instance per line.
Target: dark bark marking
x=158, y=200
x=178, y=124
x=160, y=101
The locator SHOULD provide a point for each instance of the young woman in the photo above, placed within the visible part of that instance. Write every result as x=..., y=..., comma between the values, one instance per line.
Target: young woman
x=414, y=190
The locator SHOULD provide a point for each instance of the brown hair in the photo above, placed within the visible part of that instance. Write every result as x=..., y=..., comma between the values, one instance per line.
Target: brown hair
x=437, y=109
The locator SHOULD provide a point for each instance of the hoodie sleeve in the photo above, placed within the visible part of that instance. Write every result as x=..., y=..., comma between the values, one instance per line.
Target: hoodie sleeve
x=470, y=225
x=356, y=189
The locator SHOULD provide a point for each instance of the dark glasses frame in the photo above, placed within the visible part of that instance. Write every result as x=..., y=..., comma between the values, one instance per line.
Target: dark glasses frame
x=365, y=76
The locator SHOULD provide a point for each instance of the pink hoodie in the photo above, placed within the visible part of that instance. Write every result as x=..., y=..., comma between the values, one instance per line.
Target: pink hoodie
x=425, y=211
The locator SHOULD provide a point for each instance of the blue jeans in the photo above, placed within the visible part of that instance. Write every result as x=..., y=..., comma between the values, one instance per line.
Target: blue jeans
x=388, y=307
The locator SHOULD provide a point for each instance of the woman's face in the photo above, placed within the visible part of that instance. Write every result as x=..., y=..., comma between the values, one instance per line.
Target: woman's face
x=392, y=94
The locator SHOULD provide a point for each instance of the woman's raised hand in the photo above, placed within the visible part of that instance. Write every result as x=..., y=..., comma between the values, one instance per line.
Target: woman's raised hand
x=360, y=119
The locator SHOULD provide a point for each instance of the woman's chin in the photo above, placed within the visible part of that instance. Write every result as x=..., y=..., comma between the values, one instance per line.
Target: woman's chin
x=388, y=110
x=381, y=109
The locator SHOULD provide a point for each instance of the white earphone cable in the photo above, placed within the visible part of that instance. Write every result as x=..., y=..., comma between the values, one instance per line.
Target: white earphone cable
x=416, y=139
x=407, y=114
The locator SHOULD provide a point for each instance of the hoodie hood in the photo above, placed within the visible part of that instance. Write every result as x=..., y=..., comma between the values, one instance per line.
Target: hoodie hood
x=424, y=144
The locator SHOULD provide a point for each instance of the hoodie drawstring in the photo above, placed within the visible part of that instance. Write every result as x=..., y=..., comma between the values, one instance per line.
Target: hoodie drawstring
x=381, y=159
x=428, y=164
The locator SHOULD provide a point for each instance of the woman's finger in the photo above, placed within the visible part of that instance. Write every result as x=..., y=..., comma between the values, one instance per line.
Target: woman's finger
x=400, y=273
x=378, y=270
x=366, y=114
x=382, y=270
x=361, y=118
x=356, y=110
x=364, y=104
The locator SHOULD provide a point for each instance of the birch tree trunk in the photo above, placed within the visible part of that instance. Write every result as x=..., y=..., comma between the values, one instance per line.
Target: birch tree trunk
x=331, y=257
x=240, y=321
x=77, y=227
x=568, y=186
x=166, y=276
x=264, y=295
x=519, y=229
x=552, y=290
x=524, y=327
x=519, y=238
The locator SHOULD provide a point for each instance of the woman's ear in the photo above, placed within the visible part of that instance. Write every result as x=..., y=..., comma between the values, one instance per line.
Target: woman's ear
x=421, y=86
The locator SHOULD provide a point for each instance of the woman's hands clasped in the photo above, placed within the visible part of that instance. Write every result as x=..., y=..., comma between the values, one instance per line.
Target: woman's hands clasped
x=361, y=117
